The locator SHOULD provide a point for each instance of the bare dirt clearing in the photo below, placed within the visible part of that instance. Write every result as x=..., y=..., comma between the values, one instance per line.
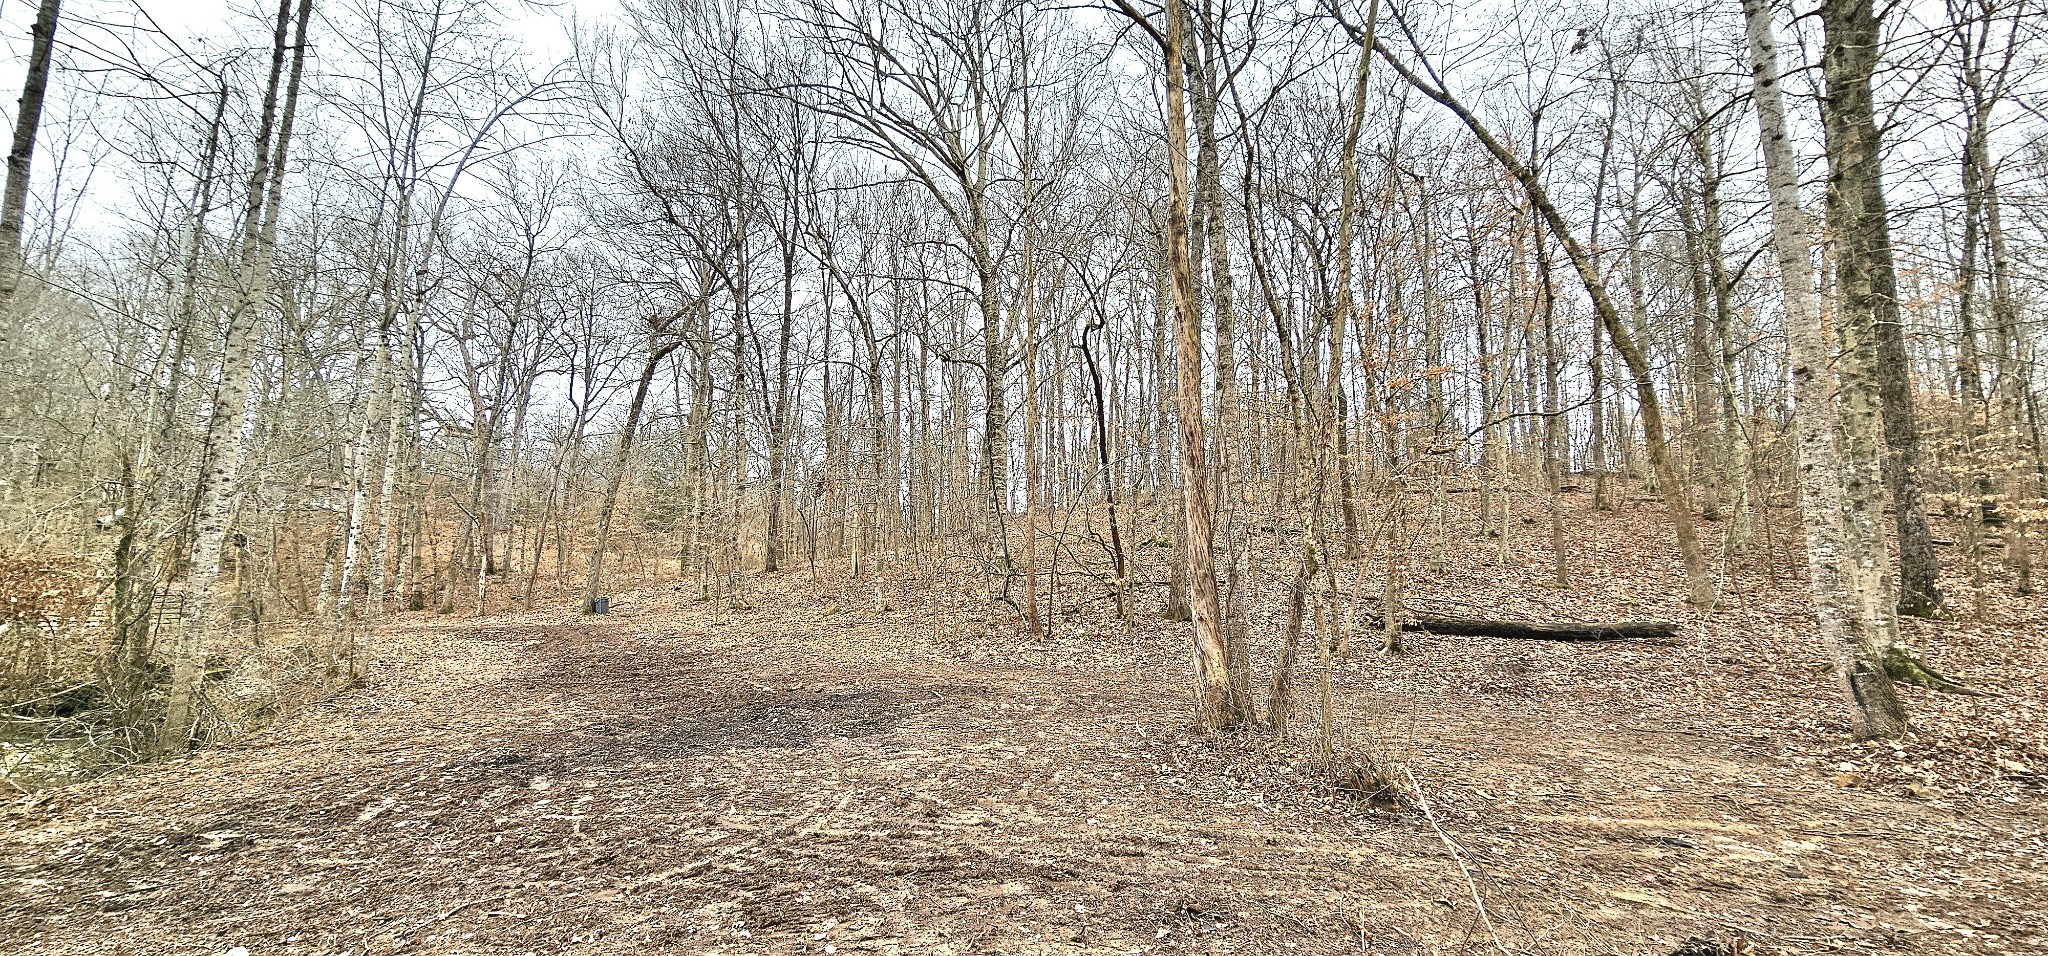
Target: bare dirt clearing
x=815, y=776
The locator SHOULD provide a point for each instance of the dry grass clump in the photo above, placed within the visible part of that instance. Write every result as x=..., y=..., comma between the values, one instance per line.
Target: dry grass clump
x=43, y=608
x=72, y=709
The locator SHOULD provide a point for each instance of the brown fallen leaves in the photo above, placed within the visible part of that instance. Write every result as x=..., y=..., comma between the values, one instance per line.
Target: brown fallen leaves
x=819, y=772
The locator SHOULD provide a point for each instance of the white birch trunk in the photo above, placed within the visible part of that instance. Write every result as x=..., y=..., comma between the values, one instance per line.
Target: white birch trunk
x=1843, y=508
x=222, y=472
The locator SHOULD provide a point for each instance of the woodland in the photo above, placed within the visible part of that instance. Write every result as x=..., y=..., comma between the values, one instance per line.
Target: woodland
x=1005, y=476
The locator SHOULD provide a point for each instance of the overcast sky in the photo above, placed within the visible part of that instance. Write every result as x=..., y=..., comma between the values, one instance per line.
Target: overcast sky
x=94, y=35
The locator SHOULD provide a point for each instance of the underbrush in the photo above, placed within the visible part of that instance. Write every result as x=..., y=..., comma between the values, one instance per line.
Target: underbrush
x=72, y=709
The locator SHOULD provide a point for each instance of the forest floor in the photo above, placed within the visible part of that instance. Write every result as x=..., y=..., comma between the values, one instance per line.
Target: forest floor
x=816, y=775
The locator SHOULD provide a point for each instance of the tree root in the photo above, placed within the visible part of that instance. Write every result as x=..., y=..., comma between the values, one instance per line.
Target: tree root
x=1903, y=667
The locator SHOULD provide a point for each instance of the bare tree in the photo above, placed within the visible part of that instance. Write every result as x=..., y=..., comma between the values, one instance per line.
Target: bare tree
x=21, y=159
x=226, y=441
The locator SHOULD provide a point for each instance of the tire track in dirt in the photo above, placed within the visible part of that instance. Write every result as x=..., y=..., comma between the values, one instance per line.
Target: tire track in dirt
x=796, y=777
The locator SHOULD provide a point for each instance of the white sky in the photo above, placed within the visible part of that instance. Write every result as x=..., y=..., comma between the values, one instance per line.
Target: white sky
x=72, y=172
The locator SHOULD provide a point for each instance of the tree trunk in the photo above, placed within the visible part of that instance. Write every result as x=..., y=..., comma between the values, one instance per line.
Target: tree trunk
x=21, y=160
x=227, y=443
x=1868, y=314
x=1841, y=508
x=1217, y=705
x=593, y=582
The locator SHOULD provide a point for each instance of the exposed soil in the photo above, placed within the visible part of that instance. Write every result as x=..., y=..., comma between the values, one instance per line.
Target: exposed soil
x=814, y=775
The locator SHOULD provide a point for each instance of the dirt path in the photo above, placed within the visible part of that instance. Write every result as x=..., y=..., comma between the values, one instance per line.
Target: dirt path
x=805, y=779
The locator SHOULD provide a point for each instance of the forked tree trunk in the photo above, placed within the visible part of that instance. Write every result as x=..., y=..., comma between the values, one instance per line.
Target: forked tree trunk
x=1304, y=495
x=1842, y=508
x=151, y=528
x=1103, y=462
x=226, y=441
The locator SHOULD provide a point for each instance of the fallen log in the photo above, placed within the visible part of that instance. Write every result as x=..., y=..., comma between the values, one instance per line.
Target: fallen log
x=1652, y=631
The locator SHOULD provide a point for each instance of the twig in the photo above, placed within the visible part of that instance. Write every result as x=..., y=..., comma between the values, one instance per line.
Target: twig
x=1457, y=856
x=459, y=907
